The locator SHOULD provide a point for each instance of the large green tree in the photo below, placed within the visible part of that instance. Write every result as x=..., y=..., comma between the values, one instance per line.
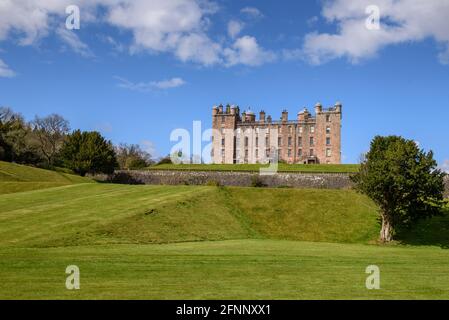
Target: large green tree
x=402, y=180
x=88, y=152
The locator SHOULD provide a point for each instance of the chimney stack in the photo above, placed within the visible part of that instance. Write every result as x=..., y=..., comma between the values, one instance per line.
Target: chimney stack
x=262, y=116
x=284, y=116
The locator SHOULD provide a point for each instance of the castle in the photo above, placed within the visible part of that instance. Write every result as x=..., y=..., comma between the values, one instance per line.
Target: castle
x=308, y=139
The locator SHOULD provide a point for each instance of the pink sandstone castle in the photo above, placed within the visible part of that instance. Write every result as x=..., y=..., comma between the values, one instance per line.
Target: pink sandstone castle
x=240, y=138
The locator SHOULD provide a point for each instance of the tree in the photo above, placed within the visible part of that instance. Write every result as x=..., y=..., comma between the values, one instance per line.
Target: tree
x=15, y=138
x=88, y=152
x=131, y=156
x=50, y=133
x=402, y=180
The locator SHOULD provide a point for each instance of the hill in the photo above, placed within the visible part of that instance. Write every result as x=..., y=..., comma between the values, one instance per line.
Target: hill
x=17, y=178
x=105, y=213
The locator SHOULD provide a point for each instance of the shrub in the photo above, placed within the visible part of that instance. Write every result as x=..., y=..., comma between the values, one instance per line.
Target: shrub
x=257, y=182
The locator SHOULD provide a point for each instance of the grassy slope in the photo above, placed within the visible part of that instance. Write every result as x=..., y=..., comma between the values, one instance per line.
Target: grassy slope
x=331, y=168
x=17, y=178
x=104, y=213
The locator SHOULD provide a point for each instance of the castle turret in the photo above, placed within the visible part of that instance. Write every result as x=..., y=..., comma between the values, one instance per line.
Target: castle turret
x=338, y=107
x=318, y=108
x=214, y=110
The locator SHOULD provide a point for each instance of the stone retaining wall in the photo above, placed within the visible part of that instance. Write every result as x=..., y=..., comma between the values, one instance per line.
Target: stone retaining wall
x=243, y=179
x=224, y=178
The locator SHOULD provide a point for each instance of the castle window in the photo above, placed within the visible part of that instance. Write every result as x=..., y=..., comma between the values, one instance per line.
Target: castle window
x=312, y=129
x=246, y=141
x=257, y=153
x=300, y=141
x=328, y=130
x=267, y=152
x=299, y=152
x=257, y=142
x=289, y=152
x=246, y=153
x=267, y=141
x=328, y=152
x=223, y=142
x=312, y=141
x=311, y=152
x=328, y=118
x=212, y=152
x=289, y=141
x=328, y=141
x=279, y=141
x=222, y=152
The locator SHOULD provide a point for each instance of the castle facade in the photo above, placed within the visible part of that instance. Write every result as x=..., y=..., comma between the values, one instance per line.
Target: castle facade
x=309, y=139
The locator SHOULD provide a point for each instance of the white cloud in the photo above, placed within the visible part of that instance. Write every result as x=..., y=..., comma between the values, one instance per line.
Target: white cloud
x=252, y=12
x=234, y=28
x=445, y=166
x=178, y=27
x=150, y=86
x=5, y=71
x=70, y=38
x=402, y=21
x=245, y=50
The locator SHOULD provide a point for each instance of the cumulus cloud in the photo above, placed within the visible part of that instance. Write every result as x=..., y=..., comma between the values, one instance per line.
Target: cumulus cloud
x=246, y=50
x=178, y=27
x=5, y=71
x=252, y=12
x=234, y=28
x=150, y=86
x=402, y=21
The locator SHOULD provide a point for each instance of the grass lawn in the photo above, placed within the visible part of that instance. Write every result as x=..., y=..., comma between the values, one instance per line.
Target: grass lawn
x=16, y=178
x=195, y=242
x=233, y=269
x=316, y=168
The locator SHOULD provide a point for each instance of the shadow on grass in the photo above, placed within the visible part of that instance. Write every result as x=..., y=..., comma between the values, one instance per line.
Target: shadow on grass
x=428, y=232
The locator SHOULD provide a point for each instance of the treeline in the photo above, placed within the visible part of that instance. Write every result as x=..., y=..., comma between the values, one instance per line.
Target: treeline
x=48, y=142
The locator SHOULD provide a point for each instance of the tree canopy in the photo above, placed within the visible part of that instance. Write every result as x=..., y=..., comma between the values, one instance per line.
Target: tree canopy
x=402, y=180
x=88, y=152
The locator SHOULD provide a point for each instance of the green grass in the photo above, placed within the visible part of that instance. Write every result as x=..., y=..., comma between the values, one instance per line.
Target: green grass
x=234, y=269
x=316, y=168
x=91, y=214
x=197, y=242
x=17, y=178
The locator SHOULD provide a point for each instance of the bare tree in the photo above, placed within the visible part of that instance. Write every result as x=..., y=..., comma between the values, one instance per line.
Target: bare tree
x=50, y=133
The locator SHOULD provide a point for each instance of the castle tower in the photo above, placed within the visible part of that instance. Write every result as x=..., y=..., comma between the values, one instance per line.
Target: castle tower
x=224, y=123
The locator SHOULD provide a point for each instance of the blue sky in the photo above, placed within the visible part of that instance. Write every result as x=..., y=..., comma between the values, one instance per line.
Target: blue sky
x=136, y=70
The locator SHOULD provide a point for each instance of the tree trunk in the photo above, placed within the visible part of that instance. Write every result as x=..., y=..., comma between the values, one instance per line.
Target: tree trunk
x=386, y=233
